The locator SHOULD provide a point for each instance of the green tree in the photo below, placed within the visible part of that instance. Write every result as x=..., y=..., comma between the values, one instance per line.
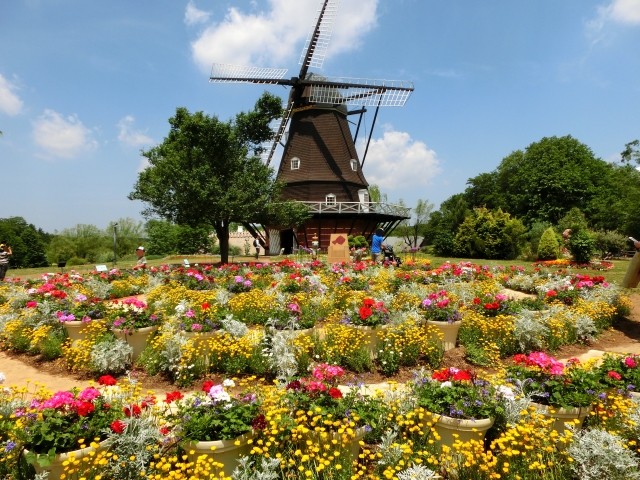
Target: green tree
x=542, y=183
x=208, y=170
x=130, y=234
x=631, y=152
x=25, y=241
x=194, y=240
x=548, y=248
x=414, y=227
x=60, y=249
x=375, y=195
x=487, y=234
x=88, y=240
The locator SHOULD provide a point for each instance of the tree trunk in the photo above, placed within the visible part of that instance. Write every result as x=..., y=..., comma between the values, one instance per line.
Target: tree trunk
x=222, y=231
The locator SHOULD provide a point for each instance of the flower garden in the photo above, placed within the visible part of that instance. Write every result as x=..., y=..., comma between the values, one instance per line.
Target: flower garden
x=291, y=341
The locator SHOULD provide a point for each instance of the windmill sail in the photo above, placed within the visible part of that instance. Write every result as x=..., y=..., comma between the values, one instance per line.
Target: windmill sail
x=225, y=73
x=315, y=48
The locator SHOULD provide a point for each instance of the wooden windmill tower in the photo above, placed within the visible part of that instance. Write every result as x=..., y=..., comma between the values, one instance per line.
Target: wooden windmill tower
x=320, y=165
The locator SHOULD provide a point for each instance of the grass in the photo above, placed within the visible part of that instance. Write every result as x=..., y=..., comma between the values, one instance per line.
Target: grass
x=613, y=276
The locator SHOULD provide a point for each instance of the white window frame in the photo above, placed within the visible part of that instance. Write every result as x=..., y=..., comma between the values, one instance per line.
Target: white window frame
x=295, y=163
x=330, y=199
x=354, y=164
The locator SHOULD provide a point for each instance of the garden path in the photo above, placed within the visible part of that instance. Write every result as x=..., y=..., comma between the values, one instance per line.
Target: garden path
x=21, y=370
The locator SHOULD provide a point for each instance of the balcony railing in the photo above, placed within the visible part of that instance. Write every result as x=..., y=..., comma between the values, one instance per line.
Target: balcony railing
x=359, y=207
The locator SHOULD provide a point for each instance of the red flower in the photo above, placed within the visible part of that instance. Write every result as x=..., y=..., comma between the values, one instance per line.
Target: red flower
x=462, y=375
x=614, y=375
x=476, y=301
x=520, y=358
x=136, y=411
x=118, y=426
x=164, y=430
x=442, y=375
x=365, y=312
x=85, y=408
x=206, y=386
x=335, y=393
x=107, y=380
x=551, y=293
x=205, y=306
x=172, y=396
x=259, y=423
x=369, y=302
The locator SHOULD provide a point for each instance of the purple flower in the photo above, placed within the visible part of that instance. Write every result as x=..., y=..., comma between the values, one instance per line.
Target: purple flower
x=10, y=446
x=238, y=279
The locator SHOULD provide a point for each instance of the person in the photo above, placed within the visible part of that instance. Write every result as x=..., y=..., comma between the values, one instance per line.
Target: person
x=256, y=243
x=377, y=245
x=5, y=251
x=142, y=260
x=636, y=244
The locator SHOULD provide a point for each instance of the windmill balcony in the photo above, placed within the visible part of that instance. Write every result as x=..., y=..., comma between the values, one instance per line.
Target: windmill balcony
x=359, y=207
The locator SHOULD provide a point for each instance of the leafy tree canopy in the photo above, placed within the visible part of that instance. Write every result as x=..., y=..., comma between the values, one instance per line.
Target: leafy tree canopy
x=207, y=171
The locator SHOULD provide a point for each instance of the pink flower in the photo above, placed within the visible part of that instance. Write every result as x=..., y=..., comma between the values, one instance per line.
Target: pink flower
x=629, y=362
x=58, y=400
x=32, y=304
x=190, y=314
x=614, y=375
x=316, y=386
x=557, y=369
x=89, y=394
x=196, y=327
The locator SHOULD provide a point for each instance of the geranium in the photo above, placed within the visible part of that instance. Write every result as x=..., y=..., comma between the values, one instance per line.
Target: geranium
x=118, y=426
x=130, y=315
x=553, y=383
x=107, y=380
x=370, y=314
x=439, y=308
x=621, y=372
x=173, y=396
x=458, y=394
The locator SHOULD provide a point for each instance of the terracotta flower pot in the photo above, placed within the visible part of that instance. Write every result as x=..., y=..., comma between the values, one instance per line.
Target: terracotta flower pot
x=449, y=331
x=77, y=331
x=225, y=452
x=562, y=415
x=56, y=468
x=136, y=340
x=466, y=430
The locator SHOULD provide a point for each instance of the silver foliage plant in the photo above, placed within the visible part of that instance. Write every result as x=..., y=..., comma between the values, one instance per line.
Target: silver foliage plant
x=138, y=434
x=110, y=356
x=281, y=354
x=598, y=454
x=267, y=469
x=98, y=288
x=417, y=472
x=529, y=331
x=390, y=452
x=234, y=327
x=585, y=328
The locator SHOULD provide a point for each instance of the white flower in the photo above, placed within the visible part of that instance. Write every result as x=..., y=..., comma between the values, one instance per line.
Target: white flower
x=446, y=384
x=506, y=392
x=2, y=378
x=228, y=383
x=180, y=308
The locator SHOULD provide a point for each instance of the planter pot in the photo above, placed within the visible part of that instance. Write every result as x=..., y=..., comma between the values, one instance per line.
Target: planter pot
x=225, y=452
x=466, y=430
x=449, y=331
x=77, y=331
x=201, y=340
x=136, y=340
x=635, y=396
x=563, y=416
x=56, y=469
x=353, y=446
x=371, y=338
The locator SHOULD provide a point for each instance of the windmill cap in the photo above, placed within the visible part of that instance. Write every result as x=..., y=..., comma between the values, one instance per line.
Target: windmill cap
x=140, y=248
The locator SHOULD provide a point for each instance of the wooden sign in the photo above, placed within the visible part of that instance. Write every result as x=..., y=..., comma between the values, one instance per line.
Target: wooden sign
x=632, y=277
x=338, y=248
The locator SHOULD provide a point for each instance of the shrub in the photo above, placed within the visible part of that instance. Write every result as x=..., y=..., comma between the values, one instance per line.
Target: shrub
x=582, y=246
x=443, y=244
x=548, y=248
x=76, y=261
x=357, y=242
x=610, y=242
x=535, y=234
x=487, y=234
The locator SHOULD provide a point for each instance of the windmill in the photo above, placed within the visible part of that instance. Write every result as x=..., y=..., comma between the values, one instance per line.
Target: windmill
x=320, y=165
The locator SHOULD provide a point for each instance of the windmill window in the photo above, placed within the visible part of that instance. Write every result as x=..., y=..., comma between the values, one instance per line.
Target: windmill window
x=354, y=164
x=331, y=199
x=295, y=163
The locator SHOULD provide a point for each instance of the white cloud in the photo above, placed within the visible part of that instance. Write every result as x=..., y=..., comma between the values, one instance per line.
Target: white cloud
x=397, y=161
x=10, y=103
x=144, y=163
x=62, y=138
x=271, y=38
x=130, y=137
x=193, y=16
x=618, y=11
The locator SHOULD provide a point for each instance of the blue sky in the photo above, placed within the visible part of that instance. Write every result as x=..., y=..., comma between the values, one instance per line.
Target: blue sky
x=85, y=85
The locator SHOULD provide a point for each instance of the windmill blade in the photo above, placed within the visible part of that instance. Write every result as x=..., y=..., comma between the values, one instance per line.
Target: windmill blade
x=278, y=133
x=361, y=92
x=225, y=73
x=315, y=48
